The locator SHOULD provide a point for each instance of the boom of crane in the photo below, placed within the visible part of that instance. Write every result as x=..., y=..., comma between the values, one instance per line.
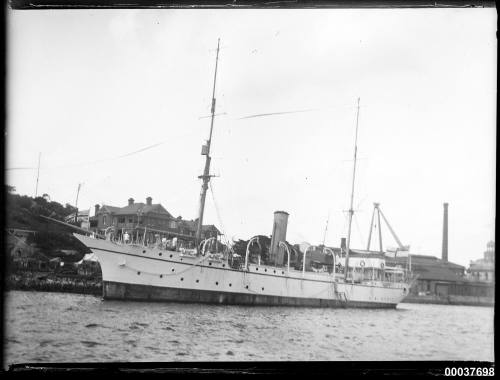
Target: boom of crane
x=378, y=211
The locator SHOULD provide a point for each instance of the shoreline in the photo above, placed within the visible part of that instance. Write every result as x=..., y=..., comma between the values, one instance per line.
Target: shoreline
x=451, y=300
x=53, y=282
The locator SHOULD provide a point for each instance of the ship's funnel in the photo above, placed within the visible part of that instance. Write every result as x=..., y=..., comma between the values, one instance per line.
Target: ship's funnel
x=444, y=252
x=277, y=254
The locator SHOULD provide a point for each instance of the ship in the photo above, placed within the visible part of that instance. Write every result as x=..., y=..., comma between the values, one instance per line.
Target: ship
x=163, y=270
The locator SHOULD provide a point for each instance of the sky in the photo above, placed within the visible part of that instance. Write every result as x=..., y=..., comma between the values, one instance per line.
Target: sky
x=92, y=89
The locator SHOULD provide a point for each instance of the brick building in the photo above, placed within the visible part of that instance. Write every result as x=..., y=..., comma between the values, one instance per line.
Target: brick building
x=146, y=222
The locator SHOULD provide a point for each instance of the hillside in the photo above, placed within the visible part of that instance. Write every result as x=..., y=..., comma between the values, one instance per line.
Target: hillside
x=23, y=212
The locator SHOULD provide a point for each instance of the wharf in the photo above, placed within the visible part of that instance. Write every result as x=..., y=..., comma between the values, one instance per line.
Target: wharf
x=451, y=300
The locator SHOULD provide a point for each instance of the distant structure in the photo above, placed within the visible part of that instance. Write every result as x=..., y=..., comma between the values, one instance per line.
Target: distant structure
x=82, y=217
x=147, y=221
x=484, y=269
x=444, y=251
x=432, y=272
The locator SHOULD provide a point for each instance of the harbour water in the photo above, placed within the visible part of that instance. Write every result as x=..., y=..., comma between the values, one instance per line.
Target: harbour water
x=62, y=327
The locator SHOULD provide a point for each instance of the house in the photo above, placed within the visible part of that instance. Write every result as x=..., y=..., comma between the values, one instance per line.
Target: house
x=430, y=270
x=145, y=222
x=207, y=231
x=24, y=256
x=483, y=270
x=82, y=217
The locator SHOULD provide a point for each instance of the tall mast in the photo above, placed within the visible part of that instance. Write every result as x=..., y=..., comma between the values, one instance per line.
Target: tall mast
x=38, y=174
x=351, y=210
x=76, y=202
x=206, y=152
x=326, y=229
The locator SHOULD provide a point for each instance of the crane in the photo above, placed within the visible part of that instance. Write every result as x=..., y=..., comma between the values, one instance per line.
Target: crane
x=378, y=211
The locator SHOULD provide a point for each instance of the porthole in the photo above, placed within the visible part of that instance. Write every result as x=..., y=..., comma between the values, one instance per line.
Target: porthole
x=262, y=288
x=181, y=259
x=161, y=276
x=230, y=285
x=282, y=272
x=265, y=270
x=209, y=263
x=216, y=283
x=256, y=268
x=246, y=287
x=144, y=251
x=223, y=265
x=274, y=271
x=159, y=254
x=173, y=269
x=138, y=273
x=197, y=280
x=182, y=278
x=170, y=255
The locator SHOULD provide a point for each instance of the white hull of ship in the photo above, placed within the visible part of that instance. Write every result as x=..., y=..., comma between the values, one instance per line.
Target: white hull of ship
x=132, y=272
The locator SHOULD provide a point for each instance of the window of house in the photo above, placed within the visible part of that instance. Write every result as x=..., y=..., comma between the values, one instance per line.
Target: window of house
x=130, y=220
x=104, y=220
x=121, y=220
x=173, y=224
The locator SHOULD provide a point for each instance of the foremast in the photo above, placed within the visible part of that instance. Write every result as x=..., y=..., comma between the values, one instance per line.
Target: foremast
x=351, y=210
x=206, y=152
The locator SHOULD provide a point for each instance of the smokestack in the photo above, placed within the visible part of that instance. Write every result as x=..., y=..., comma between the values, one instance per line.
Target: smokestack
x=279, y=234
x=444, y=251
x=97, y=209
x=149, y=201
x=343, y=244
x=130, y=201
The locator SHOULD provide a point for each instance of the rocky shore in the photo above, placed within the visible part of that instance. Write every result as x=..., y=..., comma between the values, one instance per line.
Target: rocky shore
x=53, y=282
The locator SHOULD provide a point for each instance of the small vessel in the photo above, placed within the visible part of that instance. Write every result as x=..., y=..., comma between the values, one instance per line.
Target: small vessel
x=134, y=270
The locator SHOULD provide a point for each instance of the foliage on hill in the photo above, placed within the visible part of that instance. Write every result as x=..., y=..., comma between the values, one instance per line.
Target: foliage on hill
x=23, y=212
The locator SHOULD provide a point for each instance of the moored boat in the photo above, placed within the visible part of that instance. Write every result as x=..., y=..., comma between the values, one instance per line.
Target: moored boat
x=138, y=270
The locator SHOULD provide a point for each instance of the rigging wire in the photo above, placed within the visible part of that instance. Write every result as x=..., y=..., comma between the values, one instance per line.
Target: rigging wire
x=96, y=161
x=226, y=239
x=359, y=231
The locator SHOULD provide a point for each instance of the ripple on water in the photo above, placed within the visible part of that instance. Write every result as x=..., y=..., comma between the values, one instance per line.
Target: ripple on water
x=90, y=343
x=62, y=327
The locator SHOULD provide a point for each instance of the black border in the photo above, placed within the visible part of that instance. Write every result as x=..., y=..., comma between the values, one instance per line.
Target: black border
x=432, y=368
x=244, y=4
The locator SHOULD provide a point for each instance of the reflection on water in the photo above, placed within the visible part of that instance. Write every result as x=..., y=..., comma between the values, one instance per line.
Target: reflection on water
x=57, y=327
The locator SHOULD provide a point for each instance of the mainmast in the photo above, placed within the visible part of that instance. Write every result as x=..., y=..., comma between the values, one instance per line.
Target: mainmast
x=351, y=210
x=205, y=150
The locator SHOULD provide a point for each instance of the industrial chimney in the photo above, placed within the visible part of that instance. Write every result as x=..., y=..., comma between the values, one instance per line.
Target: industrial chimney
x=276, y=254
x=97, y=209
x=444, y=251
x=130, y=201
x=149, y=201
